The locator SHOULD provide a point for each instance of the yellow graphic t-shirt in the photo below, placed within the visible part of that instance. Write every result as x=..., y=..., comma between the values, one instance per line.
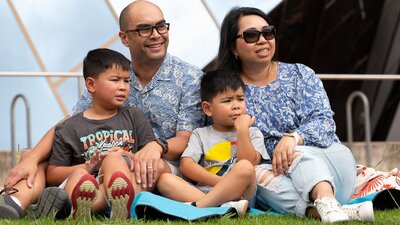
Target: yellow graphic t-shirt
x=217, y=151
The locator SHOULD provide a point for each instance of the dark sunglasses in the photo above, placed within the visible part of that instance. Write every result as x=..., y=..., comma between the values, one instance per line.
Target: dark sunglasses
x=253, y=35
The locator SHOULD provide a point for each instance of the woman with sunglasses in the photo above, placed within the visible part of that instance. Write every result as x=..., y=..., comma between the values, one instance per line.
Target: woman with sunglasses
x=310, y=166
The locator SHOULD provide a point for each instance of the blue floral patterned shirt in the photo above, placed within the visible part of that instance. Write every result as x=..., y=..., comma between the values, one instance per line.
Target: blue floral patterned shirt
x=295, y=102
x=171, y=100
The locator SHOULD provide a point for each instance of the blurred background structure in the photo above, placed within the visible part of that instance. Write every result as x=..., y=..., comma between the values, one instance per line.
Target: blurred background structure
x=43, y=43
x=348, y=37
x=353, y=45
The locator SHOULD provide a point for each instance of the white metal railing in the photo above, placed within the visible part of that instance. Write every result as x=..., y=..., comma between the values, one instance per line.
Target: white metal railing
x=39, y=74
x=78, y=76
x=359, y=76
x=28, y=125
x=321, y=76
x=367, y=122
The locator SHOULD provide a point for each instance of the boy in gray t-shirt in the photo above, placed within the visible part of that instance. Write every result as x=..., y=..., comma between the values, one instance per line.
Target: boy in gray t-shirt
x=101, y=140
x=219, y=159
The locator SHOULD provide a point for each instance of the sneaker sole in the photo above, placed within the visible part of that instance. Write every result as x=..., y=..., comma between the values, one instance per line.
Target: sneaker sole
x=51, y=201
x=368, y=209
x=83, y=196
x=370, y=217
x=120, y=194
x=338, y=220
x=8, y=212
x=244, y=209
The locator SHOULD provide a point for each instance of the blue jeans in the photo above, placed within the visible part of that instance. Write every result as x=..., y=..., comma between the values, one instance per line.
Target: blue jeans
x=289, y=194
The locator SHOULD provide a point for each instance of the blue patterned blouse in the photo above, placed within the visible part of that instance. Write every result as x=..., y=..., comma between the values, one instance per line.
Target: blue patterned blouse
x=171, y=100
x=295, y=101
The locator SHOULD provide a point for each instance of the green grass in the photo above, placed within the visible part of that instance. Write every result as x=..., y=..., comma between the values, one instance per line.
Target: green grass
x=381, y=217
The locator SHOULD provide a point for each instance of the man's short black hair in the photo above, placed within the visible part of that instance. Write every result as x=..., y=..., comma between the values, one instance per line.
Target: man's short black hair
x=101, y=59
x=217, y=81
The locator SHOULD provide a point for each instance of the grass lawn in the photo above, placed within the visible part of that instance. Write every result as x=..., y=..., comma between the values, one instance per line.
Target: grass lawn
x=381, y=217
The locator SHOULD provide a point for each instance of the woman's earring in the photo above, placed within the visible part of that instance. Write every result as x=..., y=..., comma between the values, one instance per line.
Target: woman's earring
x=236, y=56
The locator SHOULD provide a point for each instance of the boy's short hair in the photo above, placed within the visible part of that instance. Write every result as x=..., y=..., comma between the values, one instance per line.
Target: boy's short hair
x=217, y=81
x=101, y=59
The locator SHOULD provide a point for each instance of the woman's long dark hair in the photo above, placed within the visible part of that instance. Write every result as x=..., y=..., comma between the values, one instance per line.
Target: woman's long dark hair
x=229, y=30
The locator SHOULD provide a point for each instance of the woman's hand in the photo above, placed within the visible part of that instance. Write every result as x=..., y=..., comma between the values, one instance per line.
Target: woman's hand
x=283, y=155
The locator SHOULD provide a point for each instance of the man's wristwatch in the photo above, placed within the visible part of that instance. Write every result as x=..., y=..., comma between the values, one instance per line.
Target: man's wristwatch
x=295, y=135
x=164, y=145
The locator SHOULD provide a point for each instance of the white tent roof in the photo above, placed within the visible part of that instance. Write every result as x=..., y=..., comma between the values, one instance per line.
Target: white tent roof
x=47, y=35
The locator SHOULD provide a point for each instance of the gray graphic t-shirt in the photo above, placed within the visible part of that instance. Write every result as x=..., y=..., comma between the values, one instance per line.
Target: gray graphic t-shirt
x=77, y=138
x=216, y=151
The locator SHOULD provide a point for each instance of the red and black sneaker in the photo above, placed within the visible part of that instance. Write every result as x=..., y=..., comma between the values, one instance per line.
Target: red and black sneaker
x=83, y=196
x=120, y=195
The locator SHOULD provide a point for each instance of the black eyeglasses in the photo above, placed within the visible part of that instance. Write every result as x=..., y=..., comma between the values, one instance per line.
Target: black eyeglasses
x=253, y=35
x=146, y=31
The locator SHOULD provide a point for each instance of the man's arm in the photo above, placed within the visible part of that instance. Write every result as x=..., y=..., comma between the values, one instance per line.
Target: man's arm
x=146, y=160
x=190, y=115
x=27, y=167
x=177, y=144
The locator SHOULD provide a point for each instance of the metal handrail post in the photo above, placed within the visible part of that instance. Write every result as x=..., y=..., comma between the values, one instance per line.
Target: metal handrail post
x=28, y=125
x=367, y=122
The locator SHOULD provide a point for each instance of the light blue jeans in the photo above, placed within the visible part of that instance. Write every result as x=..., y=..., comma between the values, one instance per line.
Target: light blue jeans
x=289, y=194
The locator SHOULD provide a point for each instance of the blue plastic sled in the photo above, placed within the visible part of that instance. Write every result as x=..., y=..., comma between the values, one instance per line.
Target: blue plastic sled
x=385, y=199
x=154, y=207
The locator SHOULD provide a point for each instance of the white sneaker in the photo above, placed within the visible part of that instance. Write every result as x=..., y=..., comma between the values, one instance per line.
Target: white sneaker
x=363, y=211
x=240, y=206
x=330, y=210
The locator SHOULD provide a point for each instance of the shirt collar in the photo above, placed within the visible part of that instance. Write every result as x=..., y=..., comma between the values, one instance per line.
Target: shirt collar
x=162, y=73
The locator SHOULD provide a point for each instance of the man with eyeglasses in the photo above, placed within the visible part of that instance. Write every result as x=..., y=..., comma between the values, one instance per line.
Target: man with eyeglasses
x=164, y=87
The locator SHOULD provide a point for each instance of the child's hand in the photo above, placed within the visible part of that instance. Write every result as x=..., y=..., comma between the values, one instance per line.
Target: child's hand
x=244, y=122
x=95, y=161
